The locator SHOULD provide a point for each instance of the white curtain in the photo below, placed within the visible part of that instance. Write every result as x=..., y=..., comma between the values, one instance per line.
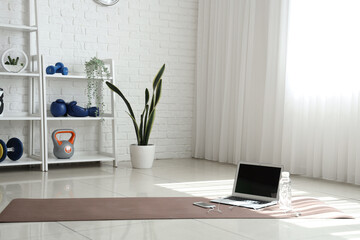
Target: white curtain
x=258, y=99
x=239, y=82
x=322, y=104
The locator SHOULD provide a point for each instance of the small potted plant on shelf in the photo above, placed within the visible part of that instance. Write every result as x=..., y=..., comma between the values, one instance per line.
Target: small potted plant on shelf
x=96, y=72
x=14, y=60
x=142, y=154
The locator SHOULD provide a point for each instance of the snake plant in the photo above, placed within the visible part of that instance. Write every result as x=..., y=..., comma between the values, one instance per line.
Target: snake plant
x=13, y=61
x=148, y=114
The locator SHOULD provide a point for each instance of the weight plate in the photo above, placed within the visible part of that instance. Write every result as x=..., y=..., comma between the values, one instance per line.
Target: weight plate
x=18, y=149
x=3, y=150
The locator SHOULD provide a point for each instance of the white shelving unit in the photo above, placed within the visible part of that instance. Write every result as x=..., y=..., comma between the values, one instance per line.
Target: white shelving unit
x=37, y=116
x=78, y=157
x=22, y=74
x=35, y=111
x=18, y=27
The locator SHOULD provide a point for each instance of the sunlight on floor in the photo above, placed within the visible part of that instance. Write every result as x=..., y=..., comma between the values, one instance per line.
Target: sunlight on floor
x=207, y=189
x=320, y=223
x=348, y=233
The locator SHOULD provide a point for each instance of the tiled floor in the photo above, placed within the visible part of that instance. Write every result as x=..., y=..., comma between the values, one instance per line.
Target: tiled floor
x=176, y=177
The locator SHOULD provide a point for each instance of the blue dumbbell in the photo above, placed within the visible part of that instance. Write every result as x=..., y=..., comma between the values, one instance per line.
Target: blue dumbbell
x=58, y=68
x=13, y=149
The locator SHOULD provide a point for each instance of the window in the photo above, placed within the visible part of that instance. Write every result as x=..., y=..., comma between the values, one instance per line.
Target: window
x=323, y=55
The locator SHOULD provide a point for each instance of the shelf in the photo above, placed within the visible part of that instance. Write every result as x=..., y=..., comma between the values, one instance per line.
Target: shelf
x=96, y=154
x=18, y=27
x=79, y=157
x=21, y=162
x=79, y=77
x=20, y=116
x=22, y=74
x=31, y=109
x=105, y=117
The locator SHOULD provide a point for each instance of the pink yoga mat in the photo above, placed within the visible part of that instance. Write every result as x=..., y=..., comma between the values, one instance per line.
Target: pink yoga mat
x=90, y=209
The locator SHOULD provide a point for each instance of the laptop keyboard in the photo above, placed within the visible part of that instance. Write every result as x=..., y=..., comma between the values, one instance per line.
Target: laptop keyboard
x=246, y=200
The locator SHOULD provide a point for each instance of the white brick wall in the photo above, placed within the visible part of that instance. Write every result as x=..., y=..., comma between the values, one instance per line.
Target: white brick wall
x=140, y=35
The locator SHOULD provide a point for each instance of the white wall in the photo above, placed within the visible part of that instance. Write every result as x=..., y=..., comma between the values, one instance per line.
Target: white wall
x=140, y=35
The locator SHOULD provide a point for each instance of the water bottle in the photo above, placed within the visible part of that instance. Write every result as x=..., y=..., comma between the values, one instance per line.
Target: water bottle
x=285, y=192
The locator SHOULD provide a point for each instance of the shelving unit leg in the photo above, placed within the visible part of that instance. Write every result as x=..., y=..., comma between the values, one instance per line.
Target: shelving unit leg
x=114, y=145
x=44, y=143
x=112, y=66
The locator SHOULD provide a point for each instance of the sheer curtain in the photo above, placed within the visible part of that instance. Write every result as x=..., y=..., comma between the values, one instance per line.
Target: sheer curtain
x=240, y=83
x=322, y=104
x=268, y=95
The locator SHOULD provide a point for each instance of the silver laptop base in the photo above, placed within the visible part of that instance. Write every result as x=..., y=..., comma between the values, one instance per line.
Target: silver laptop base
x=253, y=204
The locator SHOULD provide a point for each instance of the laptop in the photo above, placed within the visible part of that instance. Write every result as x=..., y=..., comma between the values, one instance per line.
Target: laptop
x=255, y=186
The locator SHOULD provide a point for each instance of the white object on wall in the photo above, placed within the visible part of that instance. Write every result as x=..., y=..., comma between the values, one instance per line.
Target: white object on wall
x=14, y=53
x=107, y=2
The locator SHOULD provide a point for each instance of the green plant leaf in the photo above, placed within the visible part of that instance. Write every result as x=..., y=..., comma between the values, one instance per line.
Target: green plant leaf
x=146, y=116
x=95, y=70
x=149, y=126
x=158, y=92
x=136, y=128
x=141, y=130
x=131, y=114
x=16, y=61
x=152, y=103
x=158, y=76
x=146, y=96
x=115, y=89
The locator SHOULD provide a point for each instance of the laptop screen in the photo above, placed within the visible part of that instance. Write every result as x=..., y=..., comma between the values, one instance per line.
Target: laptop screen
x=258, y=180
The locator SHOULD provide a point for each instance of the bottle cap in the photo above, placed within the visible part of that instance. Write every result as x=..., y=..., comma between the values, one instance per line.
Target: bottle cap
x=285, y=174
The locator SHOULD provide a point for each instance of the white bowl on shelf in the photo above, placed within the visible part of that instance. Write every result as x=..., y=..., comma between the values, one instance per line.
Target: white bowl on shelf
x=14, y=53
x=13, y=68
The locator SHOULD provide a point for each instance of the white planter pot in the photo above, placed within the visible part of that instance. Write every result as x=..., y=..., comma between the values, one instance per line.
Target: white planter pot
x=14, y=68
x=14, y=53
x=142, y=156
